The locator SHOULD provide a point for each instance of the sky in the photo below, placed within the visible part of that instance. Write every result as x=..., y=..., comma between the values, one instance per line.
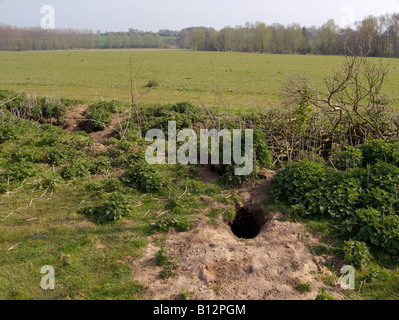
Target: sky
x=153, y=15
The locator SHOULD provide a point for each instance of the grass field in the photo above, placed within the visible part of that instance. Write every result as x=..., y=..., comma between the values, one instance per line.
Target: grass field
x=244, y=80
x=57, y=184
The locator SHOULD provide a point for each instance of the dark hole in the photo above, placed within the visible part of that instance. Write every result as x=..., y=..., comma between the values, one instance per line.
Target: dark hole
x=245, y=225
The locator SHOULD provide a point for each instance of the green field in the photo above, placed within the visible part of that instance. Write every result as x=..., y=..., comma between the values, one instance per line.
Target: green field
x=244, y=80
x=77, y=194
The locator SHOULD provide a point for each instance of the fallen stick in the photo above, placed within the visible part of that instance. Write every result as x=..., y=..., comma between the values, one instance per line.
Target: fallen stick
x=14, y=246
x=184, y=193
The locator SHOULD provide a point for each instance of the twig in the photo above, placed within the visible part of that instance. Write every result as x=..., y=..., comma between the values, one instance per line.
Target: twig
x=183, y=193
x=162, y=213
x=4, y=103
x=8, y=215
x=14, y=246
x=159, y=211
x=45, y=191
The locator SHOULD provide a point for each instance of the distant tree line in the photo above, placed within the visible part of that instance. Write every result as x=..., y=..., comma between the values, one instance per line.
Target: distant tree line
x=23, y=39
x=373, y=36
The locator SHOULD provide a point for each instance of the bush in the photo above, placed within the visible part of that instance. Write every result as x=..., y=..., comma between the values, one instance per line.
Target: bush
x=47, y=108
x=58, y=156
x=339, y=196
x=17, y=172
x=374, y=151
x=77, y=168
x=262, y=158
x=300, y=183
x=28, y=154
x=351, y=158
x=262, y=153
x=170, y=221
x=10, y=130
x=143, y=177
x=114, y=208
x=113, y=185
x=372, y=226
x=357, y=254
x=3, y=188
x=99, y=115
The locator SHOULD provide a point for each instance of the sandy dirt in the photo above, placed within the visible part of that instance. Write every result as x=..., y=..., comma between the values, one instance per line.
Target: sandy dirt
x=74, y=116
x=213, y=264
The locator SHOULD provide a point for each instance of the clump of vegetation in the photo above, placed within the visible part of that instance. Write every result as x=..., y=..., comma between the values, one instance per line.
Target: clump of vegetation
x=357, y=254
x=303, y=287
x=324, y=295
x=115, y=207
x=77, y=168
x=184, y=295
x=153, y=83
x=166, y=222
x=168, y=264
x=98, y=115
x=365, y=197
x=262, y=158
x=34, y=108
x=144, y=177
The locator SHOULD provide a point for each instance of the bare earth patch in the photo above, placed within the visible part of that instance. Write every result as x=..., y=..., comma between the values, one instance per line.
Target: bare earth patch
x=215, y=265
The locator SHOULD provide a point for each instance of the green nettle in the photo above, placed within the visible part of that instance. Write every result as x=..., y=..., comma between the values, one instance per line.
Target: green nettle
x=357, y=254
x=99, y=115
x=115, y=207
x=365, y=197
x=144, y=177
x=77, y=168
x=351, y=158
x=172, y=221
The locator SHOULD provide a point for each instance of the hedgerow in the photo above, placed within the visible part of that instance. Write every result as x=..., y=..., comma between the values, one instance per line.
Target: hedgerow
x=366, y=197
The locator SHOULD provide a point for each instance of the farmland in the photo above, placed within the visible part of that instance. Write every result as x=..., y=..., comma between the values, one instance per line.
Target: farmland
x=243, y=80
x=77, y=194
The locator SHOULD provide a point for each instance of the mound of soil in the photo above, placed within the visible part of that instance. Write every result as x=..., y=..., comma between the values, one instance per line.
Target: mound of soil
x=214, y=264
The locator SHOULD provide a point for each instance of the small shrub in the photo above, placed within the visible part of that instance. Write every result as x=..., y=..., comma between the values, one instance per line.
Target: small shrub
x=169, y=264
x=374, y=151
x=77, y=168
x=152, y=83
x=169, y=221
x=143, y=177
x=351, y=158
x=262, y=153
x=299, y=183
x=99, y=115
x=17, y=172
x=184, y=295
x=58, y=156
x=102, y=165
x=324, y=295
x=3, y=188
x=113, y=208
x=371, y=226
x=357, y=254
x=50, y=183
x=28, y=154
x=113, y=185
